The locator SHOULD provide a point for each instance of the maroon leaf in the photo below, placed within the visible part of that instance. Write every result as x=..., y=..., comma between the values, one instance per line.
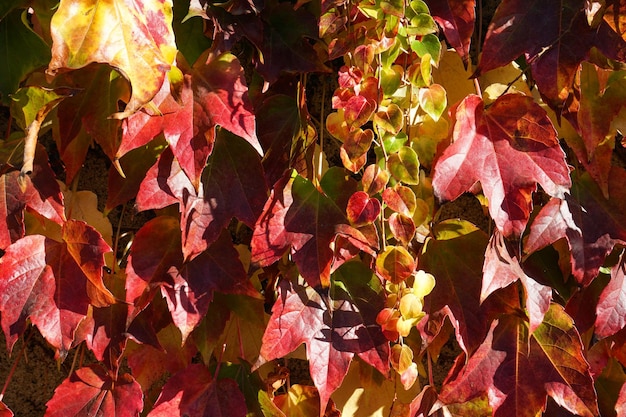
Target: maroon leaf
x=190, y=288
x=456, y=265
x=214, y=94
x=301, y=314
x=83, y=120
x=556, y=51
x=501, y=269
x=591, y=224
x=193, y=392
x=91, y=391
x=42, y=194
x=298, y=217
x=456, y=18
x=509, y=148
x=611, y=310
x=286, y=44
x=233, y=185
x=52, y=284
x=518, y=370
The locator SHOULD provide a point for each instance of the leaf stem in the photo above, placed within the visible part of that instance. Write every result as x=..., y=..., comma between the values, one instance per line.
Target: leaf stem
x=15, y=363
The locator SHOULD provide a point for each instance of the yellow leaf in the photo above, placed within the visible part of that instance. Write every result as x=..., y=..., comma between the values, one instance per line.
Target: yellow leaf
x=454, y=78
x=134, y=37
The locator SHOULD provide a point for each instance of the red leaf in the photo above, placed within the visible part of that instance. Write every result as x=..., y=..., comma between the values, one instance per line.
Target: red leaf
x=42, y=194
x=509, y=148
x=556, y=51
x=518, y=370
x=501, y=269
x=83, y=120
x=51, y=283
x=620, y=407
x=5, y=411
x=187, y=286
x=456, y=18
x=148, y=264
x=190, y=288
x=611, y=310
x=298, y=217
x=192, y=392
x=220, y=89
x=362, y=209
x=456, y=265
x=215, y=93
x=591, y=224
x=91, y=391
x=233, y=185
x=332, y=336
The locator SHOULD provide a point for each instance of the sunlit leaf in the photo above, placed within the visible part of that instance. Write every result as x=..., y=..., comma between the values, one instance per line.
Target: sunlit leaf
x=135, y=38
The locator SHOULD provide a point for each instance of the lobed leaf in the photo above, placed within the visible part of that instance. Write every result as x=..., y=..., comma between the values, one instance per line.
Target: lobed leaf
x=92, y=391
x=509, y=148
x=135, y=38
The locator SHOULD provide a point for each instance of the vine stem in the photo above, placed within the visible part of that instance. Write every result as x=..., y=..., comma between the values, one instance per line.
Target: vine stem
x=14, y=366
x=431, y=381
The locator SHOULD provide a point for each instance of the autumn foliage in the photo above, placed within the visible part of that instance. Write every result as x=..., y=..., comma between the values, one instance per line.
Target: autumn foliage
x=296, y=160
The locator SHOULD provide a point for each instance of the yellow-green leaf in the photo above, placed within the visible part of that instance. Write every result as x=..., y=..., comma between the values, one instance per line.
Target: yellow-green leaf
x=135, y=38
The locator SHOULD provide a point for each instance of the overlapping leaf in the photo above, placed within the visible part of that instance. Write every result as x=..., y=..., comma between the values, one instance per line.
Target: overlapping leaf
x=509, y=148
x=591, y=224
x=299, y=218
x=135, y=38
x=456, y=264
x=187, y=286
x=333, y=334
x=518, y=369
x=52, y=283
x=555, y=51
x=611, y=310
x=91, y=391
x=214, y=93
x=42, y=193
x=501, y=269
x=84, y=119
x=233, y=185
x=193, y=392
x=456, y=18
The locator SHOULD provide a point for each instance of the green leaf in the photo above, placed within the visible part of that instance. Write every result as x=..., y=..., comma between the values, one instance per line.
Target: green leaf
x=433, y=100
x=21, y=52
x=404, y=166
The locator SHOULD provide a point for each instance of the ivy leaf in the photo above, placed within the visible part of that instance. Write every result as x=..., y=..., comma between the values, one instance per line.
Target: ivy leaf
x=456, y=264
x=332, y=335
x=591, y=224
x=509, y=148
x=456, y=18
x=194, y=392
x=286, y=42
x=501, y=269
x=233, y=185
x=42, y=193
x=187, y=286
x=190, y=288
x=83, y=120
x=554, y=53
x=5, y=411
x=611, y=309
x=214, y=93
x=92, y=391
x=298, y=217
x=74, y=266
x=135, y=38
x=22, y=52
x=518, y=369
